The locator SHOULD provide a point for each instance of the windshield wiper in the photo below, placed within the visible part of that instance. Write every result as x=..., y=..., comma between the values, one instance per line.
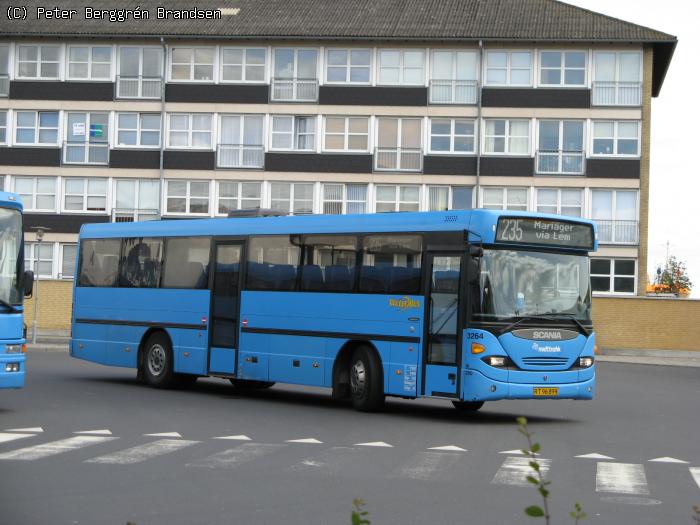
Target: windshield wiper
x=546, y=317
x=7, y=305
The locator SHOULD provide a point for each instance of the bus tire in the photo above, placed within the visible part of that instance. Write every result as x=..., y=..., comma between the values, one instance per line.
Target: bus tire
x=366, y=380
x=249, y=384
x=468, y=406
x=158, y=362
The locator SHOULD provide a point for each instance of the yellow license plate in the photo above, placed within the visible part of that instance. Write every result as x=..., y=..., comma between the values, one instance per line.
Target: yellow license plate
x=546, y=391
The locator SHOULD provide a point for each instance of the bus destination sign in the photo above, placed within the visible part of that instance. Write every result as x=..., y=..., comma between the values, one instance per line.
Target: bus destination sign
x=546, y=232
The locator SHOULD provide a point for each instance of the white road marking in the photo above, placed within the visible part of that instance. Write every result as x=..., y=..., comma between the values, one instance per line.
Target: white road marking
x=516, y=451
x=594, y=455
x=55, y=447
x=304, y=440
x=240, y=437
x=374, y=444
x=695, y=472
x=31, y=429
x=515, y=470
x=4, y=438
x=667, y=459
x=142, y=452
x=103, y=432
x=165, y=435
x=621, y=478
x=330, y=460
x=449, y=448
x=234, y=457
x=427, y=465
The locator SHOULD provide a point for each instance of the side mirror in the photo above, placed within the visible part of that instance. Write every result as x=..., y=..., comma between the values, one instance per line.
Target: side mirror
x=28, y=283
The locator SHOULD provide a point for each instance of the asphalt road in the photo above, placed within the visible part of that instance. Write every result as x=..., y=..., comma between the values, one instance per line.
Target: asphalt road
x=86, y=456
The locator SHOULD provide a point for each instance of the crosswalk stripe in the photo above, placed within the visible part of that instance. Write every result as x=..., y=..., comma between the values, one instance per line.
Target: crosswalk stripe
x=621, y=478
x=695, y=472
x=30, y=429
x=427, y=465
x=515, y=470
x=234, y=457
x=142, y=452
x=54, y=447
x=329, y=460
x=5, y=437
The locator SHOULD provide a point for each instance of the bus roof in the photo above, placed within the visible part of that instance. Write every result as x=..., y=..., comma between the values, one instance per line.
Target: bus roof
x=11, y=200
x=480, y=223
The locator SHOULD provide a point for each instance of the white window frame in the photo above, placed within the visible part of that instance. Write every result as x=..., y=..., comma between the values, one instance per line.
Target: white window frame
x=85, y=195
x=452, y=136
x=613, y=274
x=292, y=195
x=450, y=195
x=140, y=78
x=188, y=198
x=244, y=64
x=562, y=68
x=6, y=70
x=504, y=197
x=36, y=129
x=508, y=67
x=190, y=131
x=294, y=133
x=239, y=194
x=30, y=257
x=192, y=64
x=346, y=134
x=61, y=261
x=348, y=66
x=401, y=67
x=90, y=62
x=345, y=201
x=615, y=139
x=507, y=137
x=7, y=127
x=31, y=206
x=397, y=202
x=138, y=130
x=559, y=204
x=135, y=211
x=38, y=61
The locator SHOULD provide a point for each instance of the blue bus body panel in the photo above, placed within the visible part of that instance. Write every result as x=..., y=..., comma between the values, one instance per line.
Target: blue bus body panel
x=11, y=333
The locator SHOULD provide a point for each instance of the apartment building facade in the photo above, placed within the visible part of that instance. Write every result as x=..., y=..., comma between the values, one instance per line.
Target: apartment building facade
x=304, y=107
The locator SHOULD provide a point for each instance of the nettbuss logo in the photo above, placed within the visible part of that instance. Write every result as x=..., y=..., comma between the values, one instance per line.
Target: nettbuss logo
x=404, y=303
x=546, y=349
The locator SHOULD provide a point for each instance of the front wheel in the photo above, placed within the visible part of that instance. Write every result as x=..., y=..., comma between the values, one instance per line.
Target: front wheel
x=468, y=406
x=366, y=383
x=158, y=362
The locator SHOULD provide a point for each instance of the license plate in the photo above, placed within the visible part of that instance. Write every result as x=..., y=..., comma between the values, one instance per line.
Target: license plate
x=545, y=391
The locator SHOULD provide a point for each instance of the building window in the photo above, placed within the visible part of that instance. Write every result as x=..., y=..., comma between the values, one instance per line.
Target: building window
x=187, y=196
x=346, y=134
x=613, y=275
x=292, y=198
x=138, y=129
x=504, y=199
x=36, y=128
x=402, y=67
x=397, y=198
x=243, y=64
x=616, y=138
x=140, y=72
x=399, y=144
x=39, y=258
x=38, y=61
x=560, y=201
x=560, y=147
x=84, y=194
x=563, y=68
x=189, y=130
x=87, y=138
x=348, y=66
x=3, y=127
x=453, y=77
x=615, y=214
x=4, y=70
x=240, y=142
x=442, y=198
x=295, y=76
x=37, y=193
x=135, y=200
x=509, y=68
x=68, y=256
x=617, y=78
x=509, y=137
x=89, y=62
x=192, y=64
x=293, y=133
x=234, y=195
x=451, y=135
x=344, y=198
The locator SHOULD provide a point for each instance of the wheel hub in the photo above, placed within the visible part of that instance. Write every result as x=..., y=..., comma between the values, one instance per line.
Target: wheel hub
x=156, y=360
x=357, y=378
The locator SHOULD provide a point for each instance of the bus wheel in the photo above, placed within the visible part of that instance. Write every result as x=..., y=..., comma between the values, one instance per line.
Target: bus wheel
x=158, y=362
x=366, y=385
x=249, y=384
x=468, y=406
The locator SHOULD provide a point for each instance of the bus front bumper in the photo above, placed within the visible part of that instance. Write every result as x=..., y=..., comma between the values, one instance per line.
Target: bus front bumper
x=8, y=377
x=477, y=387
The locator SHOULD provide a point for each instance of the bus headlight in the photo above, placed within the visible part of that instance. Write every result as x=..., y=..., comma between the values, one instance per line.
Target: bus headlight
x=497, y=361
x=585, y=362
x=13, y=349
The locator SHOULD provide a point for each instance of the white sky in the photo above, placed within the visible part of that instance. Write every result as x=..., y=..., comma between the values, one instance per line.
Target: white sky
x=675, y=153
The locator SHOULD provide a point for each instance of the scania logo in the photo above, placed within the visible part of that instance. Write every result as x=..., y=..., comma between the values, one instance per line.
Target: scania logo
x=547, y=335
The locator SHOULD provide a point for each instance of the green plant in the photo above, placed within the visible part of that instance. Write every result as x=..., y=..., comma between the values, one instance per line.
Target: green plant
x=359, y=516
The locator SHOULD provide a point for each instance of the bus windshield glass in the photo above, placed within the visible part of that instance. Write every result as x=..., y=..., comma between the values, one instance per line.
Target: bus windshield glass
x=520, y=283
x=11, y=265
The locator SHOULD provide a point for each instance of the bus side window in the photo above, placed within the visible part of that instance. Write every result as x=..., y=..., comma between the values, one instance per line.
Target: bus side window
x=329, y=263
x=186, y=262
x=141, y=262
x=273, y=263
x=391, y=264
x=99, y=262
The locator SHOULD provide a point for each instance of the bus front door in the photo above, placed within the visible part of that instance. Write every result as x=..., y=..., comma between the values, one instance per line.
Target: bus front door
x=225, y=303
x=442, y=354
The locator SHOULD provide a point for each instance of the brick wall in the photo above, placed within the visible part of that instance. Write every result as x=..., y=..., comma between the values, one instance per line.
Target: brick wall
x=646, y=323
x=55, y=298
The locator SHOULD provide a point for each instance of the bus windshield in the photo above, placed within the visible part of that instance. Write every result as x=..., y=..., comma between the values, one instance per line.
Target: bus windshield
x=11, y=264
x=520, y=283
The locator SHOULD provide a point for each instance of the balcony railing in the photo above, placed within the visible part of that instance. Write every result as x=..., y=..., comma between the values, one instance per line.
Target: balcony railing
x=240, y=156
x=4, y=85
x=453, y=92
x=398, y=159
x=558, y=162
x=617, y=232
x=617, y=93
x=294, y=90
x=86, y=153
x=133, y=215
x=139, y=87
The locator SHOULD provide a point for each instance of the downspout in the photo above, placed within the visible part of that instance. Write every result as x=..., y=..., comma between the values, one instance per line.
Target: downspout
x=480, y=128
x=161, y=167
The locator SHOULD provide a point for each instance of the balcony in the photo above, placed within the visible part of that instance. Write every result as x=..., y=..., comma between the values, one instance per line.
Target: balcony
x=240, y=156
x=133, y=215
x=559, y=162
x=398, y=159
x=453, y=92
x=294, y=90
x=617, y=94
x=139, y=87
x=87, y=153
x=617, y=232
x=4, y=85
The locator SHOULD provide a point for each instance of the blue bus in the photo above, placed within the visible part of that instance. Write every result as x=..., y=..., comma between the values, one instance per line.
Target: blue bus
x=469, y=306
x=14, y=284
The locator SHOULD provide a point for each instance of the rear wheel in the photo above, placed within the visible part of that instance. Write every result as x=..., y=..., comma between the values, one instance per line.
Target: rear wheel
x=249, y=384
x=468, y=406
x=158, y=362
x=366, y=384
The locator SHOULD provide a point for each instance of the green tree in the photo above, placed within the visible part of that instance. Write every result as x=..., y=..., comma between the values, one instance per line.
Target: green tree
x=675, y=276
